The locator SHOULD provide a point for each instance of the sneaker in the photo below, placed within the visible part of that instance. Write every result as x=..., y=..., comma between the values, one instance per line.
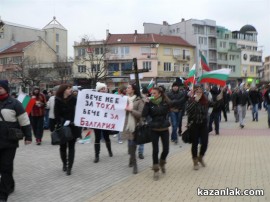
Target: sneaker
x=141, y=156
x=120, y=142
x=242, y=126
x=114, y=135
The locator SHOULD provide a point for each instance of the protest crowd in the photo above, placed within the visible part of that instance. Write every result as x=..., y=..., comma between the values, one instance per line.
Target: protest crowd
x=154, y=110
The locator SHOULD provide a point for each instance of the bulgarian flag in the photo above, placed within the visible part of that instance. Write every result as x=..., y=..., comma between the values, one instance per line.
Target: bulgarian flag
x=26, y=101
x=218, y=77
x=150, y=86
x=204, y=63
x=191, y=75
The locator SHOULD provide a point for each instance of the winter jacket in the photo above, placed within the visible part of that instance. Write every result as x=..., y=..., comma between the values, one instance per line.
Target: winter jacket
x=64, y=110
x=158, y=113
x=241, y=98
x=197, y=113
x=178, y=99
x=254, y=96
x=15, y=117
x=138, y=105
x=267, y=96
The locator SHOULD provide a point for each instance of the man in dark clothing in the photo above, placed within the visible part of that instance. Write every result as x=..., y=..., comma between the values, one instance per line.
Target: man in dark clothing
x=177, y=100
x=255, y=98
x=12, y=116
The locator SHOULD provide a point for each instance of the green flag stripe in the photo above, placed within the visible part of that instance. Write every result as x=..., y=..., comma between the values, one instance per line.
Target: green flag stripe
x=25, y=101
x=215, y=76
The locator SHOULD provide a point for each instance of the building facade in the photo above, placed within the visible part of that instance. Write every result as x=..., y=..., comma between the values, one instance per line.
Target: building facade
x=54, y=34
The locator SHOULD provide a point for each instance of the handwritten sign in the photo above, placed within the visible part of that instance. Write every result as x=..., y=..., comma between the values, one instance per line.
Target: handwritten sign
x=100, y=110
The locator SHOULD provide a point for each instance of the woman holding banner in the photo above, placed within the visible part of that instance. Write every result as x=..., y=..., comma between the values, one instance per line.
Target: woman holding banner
x=134, y=112
x=99, y=133
x=64, y=110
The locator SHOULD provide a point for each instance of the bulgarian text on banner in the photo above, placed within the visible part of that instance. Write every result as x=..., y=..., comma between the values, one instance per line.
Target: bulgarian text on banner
x=100, y=110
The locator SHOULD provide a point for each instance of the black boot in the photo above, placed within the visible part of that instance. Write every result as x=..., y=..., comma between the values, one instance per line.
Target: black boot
x=71, y=155
x=63, y=156
x=97, y=149
x=133, y=158
x=108, y=145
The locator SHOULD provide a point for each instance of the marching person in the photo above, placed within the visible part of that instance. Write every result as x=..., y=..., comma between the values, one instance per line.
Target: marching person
x=133, y=115
x=197, y=111
x=14, y=115
x=37, y=114
x=64, y=110
x=99, y=133
x=158, y=109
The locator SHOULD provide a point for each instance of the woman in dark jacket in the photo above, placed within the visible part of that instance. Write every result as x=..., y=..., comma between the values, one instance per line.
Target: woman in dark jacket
x=64, y=110
x=197, y=109
x=158, y=109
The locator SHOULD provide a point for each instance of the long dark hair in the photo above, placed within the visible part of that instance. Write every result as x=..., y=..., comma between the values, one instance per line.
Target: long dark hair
x=136, y=89
x=61, y=90
x=162, y=94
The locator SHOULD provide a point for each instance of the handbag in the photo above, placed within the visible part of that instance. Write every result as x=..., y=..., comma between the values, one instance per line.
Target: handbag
x=142, y=134
x=186, y=135
x=55, y=138
x=65, y=134
x=14, y=134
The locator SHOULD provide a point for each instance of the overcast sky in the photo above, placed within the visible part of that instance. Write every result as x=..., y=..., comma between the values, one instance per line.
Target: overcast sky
x=93, y=17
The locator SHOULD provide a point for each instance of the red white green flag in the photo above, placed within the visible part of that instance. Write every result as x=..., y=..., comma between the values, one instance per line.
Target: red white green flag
x=191, y=75
x=204, y=63
x=218, y=77
x=26, y=101
x=150, y=86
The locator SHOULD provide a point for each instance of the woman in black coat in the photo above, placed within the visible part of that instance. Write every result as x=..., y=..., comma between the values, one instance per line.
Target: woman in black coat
x=158, y=109
x=64, y=110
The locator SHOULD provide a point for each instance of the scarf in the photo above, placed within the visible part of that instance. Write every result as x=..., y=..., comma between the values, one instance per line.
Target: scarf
x=131, y=122
x=157, y=101
x=4, y=96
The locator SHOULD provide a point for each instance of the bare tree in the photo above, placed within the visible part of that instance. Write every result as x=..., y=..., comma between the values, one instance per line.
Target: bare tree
x=91, y=61
x=62, y=72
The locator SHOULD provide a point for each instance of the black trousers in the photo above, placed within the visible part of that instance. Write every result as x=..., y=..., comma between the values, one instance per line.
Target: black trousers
x=164, y=135
x=68, y=159
x=37, y=123
x=199, y=134
x=7, y=183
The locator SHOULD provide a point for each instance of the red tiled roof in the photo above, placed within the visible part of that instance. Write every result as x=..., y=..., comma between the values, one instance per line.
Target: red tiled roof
x=146, y=39
x=17, y=48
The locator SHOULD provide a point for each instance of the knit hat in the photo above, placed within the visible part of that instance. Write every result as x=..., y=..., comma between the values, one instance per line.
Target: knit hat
x=4, y=84
x=100, y=85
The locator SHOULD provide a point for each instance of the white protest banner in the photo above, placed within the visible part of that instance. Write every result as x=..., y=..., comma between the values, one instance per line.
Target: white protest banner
x=100, y=110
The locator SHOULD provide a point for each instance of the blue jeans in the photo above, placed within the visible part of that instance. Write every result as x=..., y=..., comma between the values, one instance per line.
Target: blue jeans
x=175, y=117
x=255, y=112
x=141, y=149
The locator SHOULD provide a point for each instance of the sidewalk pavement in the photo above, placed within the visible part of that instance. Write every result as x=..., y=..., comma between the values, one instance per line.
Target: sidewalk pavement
x=235, y=158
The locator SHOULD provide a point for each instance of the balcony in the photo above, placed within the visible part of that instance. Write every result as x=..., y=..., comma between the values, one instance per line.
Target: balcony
x=182, y=58
x=171, y=74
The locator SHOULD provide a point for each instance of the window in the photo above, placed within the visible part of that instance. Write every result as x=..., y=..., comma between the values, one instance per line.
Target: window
x=167, y=67
x=167, y=51
x=3, y=61
x=147, y=65
x=81, y=68
x=226, y=36
x=112, y=68
x=95, y=68
x=17, y=60
x=252, y=68
x=127, y=66
x=81, y=51
x=57, y=48
x=232, y=57
x=176, y=51
x=97, y=51
x=57, y=37
x=114, y=50
x=124, y=50
x=232, y=67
